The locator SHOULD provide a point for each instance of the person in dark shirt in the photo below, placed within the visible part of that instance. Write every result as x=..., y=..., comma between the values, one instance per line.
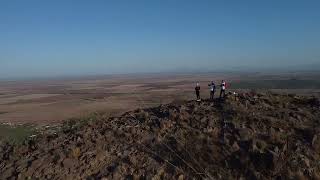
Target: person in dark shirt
x=197, y=89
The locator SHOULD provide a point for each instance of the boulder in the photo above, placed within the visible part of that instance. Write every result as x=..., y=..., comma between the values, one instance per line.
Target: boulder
x=245, y=134
x=316, y=143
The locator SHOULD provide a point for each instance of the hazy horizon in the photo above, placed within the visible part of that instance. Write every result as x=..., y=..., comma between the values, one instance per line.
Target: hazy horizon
x=64, y=38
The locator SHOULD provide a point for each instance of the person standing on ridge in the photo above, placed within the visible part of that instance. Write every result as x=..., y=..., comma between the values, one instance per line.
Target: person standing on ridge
x=197, y=89
x=223, y=89
x=212, y=90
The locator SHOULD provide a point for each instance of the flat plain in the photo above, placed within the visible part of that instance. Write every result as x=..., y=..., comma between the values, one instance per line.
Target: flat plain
x=51, y=101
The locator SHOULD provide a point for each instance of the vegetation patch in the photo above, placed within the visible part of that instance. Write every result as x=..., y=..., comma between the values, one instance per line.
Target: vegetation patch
x=74, y=124
x=16, y=134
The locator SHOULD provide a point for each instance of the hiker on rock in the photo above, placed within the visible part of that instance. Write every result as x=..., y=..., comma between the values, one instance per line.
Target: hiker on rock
x=223, y=89
x=212, y=90
x=197, y=89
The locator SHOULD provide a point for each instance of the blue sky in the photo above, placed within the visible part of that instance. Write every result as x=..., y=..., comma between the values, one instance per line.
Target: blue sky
x=64, y=37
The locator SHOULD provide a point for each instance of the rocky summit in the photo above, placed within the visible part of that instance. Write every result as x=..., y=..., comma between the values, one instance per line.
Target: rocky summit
x=251, y=136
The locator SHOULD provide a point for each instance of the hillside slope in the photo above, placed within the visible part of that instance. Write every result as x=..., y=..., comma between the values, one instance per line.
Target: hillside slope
x=258, y=136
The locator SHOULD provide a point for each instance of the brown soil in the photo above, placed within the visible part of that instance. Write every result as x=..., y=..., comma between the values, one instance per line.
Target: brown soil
x=257, y=136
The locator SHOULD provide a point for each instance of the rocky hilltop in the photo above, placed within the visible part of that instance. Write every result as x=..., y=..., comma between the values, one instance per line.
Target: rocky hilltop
x=253, y=136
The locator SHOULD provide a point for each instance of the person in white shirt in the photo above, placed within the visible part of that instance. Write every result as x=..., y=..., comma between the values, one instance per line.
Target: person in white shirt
x=223, y=89
x=212, y=90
